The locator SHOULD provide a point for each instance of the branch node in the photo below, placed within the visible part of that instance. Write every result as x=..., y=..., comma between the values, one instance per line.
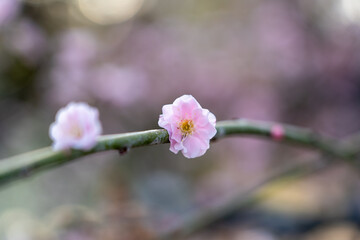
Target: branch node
x=123, y=151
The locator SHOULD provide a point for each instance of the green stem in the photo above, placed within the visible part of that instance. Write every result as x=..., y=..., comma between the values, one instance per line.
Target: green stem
x=28, y=164
x=292, y=134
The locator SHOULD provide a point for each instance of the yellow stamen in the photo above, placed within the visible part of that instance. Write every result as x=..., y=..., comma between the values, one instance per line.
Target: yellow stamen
x=76, y=131
x=186, y=127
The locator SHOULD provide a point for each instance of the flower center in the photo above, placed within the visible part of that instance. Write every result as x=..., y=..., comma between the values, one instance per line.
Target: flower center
x=76, y=131
x=186, y=127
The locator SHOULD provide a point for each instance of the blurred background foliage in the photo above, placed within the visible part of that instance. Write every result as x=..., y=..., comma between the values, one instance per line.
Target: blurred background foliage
x=289, y=61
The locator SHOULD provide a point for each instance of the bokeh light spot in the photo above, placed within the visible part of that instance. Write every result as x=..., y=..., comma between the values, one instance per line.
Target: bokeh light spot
x=109, y=11
x=350, y=10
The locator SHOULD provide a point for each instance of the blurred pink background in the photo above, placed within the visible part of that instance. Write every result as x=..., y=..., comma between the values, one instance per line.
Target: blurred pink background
x=296, y=62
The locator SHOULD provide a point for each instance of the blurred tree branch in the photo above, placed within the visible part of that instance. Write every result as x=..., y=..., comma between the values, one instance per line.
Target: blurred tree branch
x=280, y=178
x=25, y=165
x=347, y=149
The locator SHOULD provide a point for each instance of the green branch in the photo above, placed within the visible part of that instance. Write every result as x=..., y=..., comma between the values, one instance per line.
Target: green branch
x=28, y=164
x=292, y=134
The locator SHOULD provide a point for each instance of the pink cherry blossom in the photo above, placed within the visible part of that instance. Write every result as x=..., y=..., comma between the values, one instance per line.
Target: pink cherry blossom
x=190, y=126
x=77, y=126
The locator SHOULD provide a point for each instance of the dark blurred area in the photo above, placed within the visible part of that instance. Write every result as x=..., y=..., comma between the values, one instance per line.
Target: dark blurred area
x=296, y=62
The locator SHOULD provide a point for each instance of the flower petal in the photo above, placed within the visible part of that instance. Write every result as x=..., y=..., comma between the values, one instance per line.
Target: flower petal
x=194, y=140
x=76, y=126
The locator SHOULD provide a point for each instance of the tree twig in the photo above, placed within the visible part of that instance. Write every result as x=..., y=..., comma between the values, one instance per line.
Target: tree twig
x=25, y=165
